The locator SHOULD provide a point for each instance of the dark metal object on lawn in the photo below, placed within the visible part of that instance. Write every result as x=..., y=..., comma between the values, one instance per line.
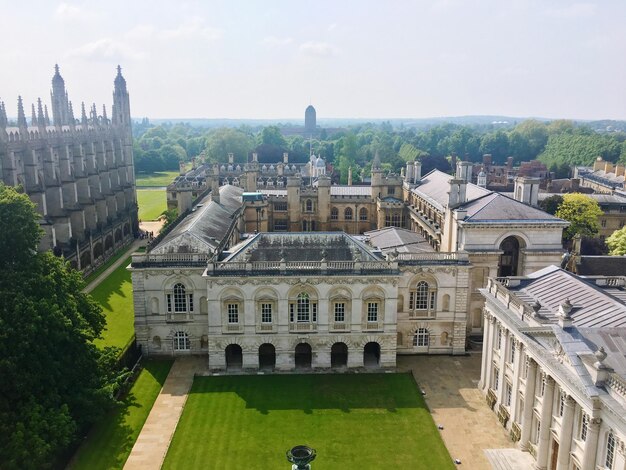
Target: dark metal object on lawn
x=300, y=456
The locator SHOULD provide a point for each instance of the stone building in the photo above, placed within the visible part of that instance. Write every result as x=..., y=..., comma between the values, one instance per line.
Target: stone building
x=603, y=177
x=310, y=120
x=553, y=366
x=79, y=172
x=287, y=300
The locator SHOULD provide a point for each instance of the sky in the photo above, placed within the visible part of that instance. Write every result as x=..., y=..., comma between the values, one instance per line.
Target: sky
x=350, y=59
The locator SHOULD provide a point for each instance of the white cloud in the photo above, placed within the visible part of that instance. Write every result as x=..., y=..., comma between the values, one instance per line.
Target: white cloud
x=273, y=41
x=318, y=49
x=575, y=10
x=193, y=28
x=105, y=49
x=332, y=27
x=67, y=12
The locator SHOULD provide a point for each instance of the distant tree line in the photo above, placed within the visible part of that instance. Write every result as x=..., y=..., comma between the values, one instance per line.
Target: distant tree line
x=559, y=144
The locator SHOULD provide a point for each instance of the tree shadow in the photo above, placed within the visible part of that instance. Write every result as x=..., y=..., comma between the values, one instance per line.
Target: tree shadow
x=308, y=392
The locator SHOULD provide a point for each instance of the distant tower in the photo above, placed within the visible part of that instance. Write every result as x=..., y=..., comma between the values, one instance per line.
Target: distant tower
x=310, y=118
x=121, y=102
x=60, y=102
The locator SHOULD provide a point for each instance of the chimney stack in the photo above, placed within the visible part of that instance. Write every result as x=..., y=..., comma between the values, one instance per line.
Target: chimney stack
x=527, y=190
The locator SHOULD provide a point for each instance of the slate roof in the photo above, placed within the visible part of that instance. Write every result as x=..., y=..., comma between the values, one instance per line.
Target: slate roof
x=398, y=239
x=435, y=186
x=482, y=204
x=497, y=207
x=593, y=306
x=204, y=228
x=311, y=246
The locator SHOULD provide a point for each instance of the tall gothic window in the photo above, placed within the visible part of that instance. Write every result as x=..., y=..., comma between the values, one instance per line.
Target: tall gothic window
x=347, y=214
x=334, y=214
x=363, y=214
x=309, y=205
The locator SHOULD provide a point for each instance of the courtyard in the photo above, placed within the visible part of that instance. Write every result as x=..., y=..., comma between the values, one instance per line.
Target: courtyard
x=352, y=420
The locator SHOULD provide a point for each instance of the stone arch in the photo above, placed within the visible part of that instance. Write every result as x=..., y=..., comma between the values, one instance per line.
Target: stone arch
x=156, y=342
x=303, y=354
x=371, y=354
x=118, y=235
x=126, y=229
x=299, y=288
x=339, y=355
x=97, y=250
x=267, y=356
x=169, y=282
x=85, y=259
x=108, y=242
x=510, y=260
x=234, y=356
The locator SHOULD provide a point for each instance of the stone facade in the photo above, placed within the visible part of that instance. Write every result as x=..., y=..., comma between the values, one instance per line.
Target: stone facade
x=79, y=172
x=553, y=366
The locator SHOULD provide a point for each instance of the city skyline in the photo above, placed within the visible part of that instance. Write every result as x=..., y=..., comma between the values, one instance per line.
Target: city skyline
x=353, y=60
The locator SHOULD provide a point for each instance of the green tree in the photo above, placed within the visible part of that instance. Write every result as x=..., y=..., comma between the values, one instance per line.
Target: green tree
x=617, y=242
x=221, y=142
x=551, y=203
x=55, y=382
x=271, y=135
x=582, y=212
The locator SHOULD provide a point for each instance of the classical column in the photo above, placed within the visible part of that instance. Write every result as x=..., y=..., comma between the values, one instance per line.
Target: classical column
x=487, y=341
x=543, y=445
x=529, y=402
x=488, y=347
x=567, y=429
x=517, y=372
x=591, y=444
x=504, y=347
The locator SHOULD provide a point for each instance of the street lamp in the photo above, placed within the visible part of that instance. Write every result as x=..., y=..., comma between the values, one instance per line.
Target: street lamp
x=300, y=456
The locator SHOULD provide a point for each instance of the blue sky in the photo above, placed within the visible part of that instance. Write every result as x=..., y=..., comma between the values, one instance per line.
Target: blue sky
x=362, y=59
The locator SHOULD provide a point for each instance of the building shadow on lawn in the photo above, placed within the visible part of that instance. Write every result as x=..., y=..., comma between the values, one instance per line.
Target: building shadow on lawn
x=308, y=392
x=112, y=286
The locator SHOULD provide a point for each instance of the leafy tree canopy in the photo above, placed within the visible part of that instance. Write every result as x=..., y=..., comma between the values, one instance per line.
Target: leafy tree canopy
x=617, y=242
x=551, y=204
x=55, y=382
x=582, y=212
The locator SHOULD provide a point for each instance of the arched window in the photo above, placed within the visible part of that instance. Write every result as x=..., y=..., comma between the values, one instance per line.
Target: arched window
x=303, y=309
x=181, y=341
x=363, y=214
x=610, y=450
x=179, y=301
x=421, y=337
x=347, y=214
x=309, y=205
x=334, y=214
x=423, y=297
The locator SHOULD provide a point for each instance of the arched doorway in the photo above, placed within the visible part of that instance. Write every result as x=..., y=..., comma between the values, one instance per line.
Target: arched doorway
x=509, y=259
x=304, y=356
x=267, y=356
x=234, y=357
x=371, y=355
x=339, y=355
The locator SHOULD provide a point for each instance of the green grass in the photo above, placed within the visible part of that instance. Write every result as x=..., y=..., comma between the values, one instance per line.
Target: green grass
x=152, y=203
x=367, y=421
x=109, y=443
x=161, y=178
x=115, y=295
x=103, y=267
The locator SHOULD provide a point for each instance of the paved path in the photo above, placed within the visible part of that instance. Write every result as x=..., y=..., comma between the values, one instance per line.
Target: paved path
x=130, y=249
x=470, y=427
x=154, y=439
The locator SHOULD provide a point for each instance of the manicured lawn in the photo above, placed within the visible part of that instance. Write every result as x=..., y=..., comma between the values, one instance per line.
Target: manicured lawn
x=152, y=203
x=93, y=275
x=161, y=178
x=115, y=295
x=109, y=443
x=366, y=421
